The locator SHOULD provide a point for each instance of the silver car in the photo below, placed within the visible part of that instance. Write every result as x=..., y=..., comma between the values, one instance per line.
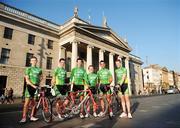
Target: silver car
x=172, y=90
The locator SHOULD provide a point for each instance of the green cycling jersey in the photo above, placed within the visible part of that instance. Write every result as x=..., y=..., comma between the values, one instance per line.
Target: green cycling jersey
x=92, y=79
x=104, y=76
x=34, y=74
x=60, y=76
x=78, y=76
x=119, y=74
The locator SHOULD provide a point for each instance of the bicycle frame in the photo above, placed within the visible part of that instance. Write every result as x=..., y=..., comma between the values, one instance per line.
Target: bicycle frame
x=117, y=98
x=46, y=104
x=42, y=96
x=88, y=95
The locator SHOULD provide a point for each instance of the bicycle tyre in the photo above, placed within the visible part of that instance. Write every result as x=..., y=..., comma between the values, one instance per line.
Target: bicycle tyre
x=46, y=110
x=116, y=104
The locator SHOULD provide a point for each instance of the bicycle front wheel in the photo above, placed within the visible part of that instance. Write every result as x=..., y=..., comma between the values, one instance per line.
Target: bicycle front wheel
x=116, y=104
x=46, y=110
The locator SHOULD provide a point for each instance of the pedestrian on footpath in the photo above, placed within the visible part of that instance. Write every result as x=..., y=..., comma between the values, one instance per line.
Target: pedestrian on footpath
x=2, y=99
x=10, y=95
x=6, y=96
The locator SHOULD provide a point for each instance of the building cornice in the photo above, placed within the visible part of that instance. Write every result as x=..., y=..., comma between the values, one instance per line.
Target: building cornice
x=90, y=26
x=20, y=13
x=135, y=59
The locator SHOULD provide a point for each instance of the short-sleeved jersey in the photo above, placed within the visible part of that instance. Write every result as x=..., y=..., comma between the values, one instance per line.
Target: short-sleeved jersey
x=78, y=76
x=60, y=76
x=104, y=76
x=119, y=73
x=34, y=74
x=92, y=79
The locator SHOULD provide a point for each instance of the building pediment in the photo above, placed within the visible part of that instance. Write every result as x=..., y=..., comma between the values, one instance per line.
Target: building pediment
x=105, y=33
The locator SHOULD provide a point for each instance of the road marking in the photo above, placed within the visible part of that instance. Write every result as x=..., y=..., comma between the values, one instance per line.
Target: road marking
x=165, y=104
x=143, y=110
x=91, y=125
x=173, y=122
x=156, y=106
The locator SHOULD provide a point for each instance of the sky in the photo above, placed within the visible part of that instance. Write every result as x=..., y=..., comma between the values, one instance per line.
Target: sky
x=151, y=27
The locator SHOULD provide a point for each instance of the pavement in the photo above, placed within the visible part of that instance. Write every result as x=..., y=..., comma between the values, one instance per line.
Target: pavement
x=16, y=106
x=148, y=112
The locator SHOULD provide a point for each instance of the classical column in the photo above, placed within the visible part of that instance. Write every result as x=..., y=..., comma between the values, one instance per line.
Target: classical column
x=111, y=65
x=89, y=56
x=140, y=78
x=61, y=52
x=101, y=55
x=128, y=75
x=74, y=54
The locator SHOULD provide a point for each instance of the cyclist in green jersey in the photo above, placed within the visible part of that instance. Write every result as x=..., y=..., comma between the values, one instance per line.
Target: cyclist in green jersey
x=92, y=80
x=105, y=79
x=122, y=81
x=78, y=80
x=58, y=82
x=33, y=76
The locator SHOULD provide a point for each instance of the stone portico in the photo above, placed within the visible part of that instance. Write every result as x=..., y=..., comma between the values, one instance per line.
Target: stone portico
x=78, y=38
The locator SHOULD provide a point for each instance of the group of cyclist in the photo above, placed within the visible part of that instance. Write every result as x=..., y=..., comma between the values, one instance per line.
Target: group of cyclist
x=102, y=82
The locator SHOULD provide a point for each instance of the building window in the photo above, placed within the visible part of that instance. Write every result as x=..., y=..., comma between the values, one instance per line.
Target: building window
x=50, y=44
x=28, y=58
x=31, y=39
x=49, y=63
x=148, y=77
x=8, y=33
x=4, y=56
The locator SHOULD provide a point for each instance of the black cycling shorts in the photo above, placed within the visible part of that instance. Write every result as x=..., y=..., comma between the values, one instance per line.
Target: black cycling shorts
x=124, y=87
x=104, y=88
x=63, y=89
x=31, y=90
x=78, y=87
x=93, y=90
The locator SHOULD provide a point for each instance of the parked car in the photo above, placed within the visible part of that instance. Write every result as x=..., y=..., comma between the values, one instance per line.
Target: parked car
x=172, y=90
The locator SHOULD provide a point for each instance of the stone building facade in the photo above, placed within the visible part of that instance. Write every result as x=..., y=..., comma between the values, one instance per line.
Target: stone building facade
x=23, y=35
x=160, y=78
x=136, y=74
x=152, y=76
